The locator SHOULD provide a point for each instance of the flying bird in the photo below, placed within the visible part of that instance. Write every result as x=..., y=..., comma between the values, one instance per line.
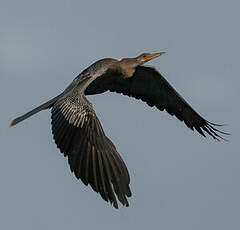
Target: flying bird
x=79, y=135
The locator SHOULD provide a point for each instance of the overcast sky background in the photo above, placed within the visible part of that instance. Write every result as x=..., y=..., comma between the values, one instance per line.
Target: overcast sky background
x=179, y=180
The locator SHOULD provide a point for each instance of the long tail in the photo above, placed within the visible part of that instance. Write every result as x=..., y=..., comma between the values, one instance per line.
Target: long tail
x=46, y=105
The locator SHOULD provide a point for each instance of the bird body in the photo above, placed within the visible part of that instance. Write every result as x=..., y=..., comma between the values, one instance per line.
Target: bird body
x=79, y=135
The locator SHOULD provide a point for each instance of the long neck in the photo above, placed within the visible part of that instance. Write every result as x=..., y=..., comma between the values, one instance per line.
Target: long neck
x=127, y=66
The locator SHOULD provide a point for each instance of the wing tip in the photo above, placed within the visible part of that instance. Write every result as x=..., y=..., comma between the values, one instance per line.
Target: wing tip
x=216, y=133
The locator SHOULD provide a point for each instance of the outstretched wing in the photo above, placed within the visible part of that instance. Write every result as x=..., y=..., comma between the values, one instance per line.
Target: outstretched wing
x=91, y=155
x=150, y=86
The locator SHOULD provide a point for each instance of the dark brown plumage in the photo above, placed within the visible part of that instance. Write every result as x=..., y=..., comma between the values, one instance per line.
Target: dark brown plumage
x=79, y=135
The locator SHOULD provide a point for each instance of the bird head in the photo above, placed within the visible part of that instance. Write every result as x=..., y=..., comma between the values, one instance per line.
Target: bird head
x=145, y=57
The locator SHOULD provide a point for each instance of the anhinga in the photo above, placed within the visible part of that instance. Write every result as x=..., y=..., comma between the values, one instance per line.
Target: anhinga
x=79, y=135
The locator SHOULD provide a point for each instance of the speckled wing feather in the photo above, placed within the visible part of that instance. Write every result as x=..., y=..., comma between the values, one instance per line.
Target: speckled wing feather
x=150, y=86
x=91, y=155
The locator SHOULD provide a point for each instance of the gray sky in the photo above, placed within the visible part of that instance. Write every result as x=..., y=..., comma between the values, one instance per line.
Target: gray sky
x=179, y=180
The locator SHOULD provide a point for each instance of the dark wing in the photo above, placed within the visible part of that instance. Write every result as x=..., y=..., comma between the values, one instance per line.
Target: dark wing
x=150, y=86
x=91, y=155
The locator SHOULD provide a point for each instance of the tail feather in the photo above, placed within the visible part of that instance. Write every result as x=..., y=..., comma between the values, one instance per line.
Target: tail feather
x=44, y=106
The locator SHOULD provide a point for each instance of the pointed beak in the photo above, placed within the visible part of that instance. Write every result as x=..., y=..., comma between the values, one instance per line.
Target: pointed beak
x=155, y=55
